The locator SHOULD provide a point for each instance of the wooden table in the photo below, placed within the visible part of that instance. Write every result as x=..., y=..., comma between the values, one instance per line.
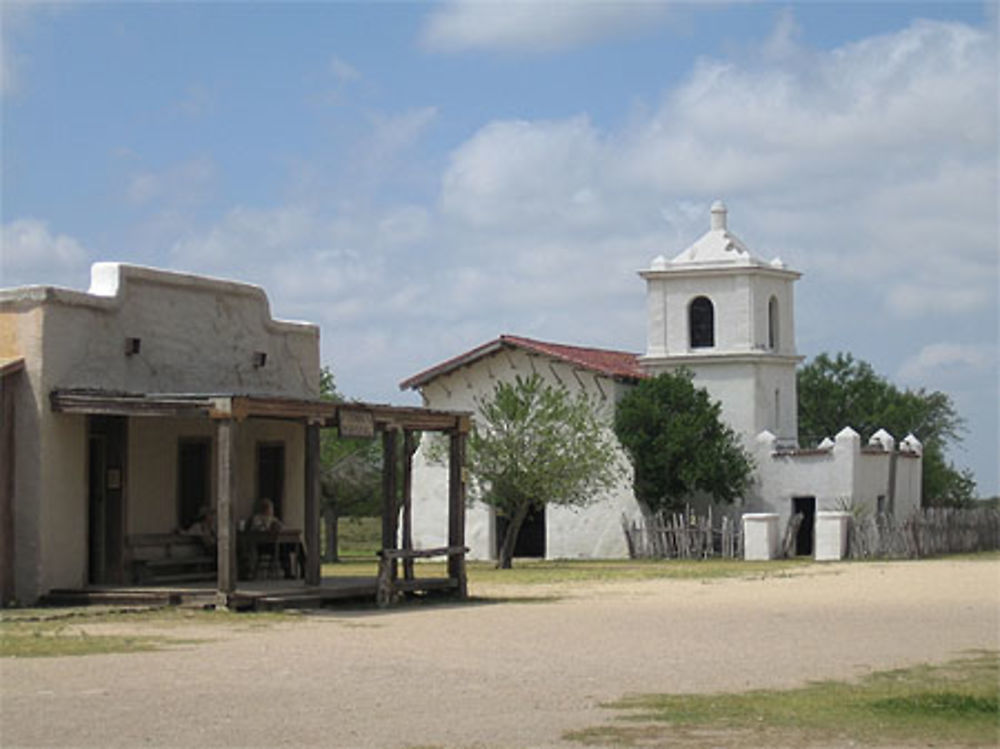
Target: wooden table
x=248, y=543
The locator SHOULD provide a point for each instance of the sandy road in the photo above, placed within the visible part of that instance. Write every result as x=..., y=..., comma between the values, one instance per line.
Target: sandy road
x=502, y=675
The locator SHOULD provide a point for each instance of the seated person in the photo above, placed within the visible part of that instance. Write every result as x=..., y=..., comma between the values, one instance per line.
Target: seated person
x=266, y=521
x=204, y=527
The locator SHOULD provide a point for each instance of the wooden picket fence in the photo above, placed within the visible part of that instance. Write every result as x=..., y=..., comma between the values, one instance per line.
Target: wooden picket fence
x=927, y=532
x=684, y=535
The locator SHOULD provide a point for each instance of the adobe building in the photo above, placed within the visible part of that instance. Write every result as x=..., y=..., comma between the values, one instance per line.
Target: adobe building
x=131, y=407
x=729, y=317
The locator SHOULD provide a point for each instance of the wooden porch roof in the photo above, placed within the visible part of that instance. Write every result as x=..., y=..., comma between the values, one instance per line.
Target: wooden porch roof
x=236, y=406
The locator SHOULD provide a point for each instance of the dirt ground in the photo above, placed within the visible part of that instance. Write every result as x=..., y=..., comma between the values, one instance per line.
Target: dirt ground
x=513, y=674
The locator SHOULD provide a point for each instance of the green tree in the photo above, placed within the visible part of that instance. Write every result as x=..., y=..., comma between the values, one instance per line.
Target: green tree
x=350, y=473
x=678, y=444
x=533, y=445
x=843, y=391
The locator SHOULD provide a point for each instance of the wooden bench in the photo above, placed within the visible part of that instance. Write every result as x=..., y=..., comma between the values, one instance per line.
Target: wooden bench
x=168, y=558
x=389, y=586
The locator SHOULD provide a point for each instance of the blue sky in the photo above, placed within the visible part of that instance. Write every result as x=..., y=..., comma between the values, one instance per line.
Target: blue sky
x=419, y=178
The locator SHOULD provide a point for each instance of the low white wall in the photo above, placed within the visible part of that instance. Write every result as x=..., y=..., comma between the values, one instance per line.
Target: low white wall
x=841, y=475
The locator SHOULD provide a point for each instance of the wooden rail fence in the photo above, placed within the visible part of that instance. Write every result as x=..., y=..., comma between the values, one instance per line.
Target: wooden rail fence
x=684, y=535
x=927, y=532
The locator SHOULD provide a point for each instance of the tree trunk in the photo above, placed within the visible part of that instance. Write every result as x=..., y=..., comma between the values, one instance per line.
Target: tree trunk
x=506, y=555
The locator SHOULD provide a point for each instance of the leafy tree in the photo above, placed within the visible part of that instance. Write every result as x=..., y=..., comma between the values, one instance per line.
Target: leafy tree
x=678, y=443
x=843, y=391
x=350, y=473
x=533, y=445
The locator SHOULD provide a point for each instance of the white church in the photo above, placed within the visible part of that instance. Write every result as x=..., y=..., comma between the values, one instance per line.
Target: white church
x=728, y=317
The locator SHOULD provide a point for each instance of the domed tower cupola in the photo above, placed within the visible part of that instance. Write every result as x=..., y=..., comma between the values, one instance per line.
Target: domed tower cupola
x=728, y=316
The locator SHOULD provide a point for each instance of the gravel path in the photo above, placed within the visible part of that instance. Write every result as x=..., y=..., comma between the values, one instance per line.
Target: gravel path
x=516, y=674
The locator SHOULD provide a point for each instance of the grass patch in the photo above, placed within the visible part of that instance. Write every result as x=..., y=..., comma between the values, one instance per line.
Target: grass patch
x=544, y=572
x=41, y=633
x=359, y=537
x=953, y=703
x=46, y=641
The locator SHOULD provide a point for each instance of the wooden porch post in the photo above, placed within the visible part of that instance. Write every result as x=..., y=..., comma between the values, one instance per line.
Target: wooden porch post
x=388, y=568
x=456, y=506
x=409, y=448
x=312, y=505
x=226, y=477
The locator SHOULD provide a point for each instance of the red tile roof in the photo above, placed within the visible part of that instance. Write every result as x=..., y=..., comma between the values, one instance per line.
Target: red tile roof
x=617, y=364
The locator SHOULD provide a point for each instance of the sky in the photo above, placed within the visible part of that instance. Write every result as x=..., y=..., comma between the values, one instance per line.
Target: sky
x=418, y=178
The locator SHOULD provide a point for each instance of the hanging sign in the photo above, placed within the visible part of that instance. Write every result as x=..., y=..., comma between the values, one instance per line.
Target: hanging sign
x=355, y=423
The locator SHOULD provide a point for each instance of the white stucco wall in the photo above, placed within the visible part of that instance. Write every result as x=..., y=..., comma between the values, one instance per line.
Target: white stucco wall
x=591, y=531
x=841, y=476
x=198, y=335
x=756, y=393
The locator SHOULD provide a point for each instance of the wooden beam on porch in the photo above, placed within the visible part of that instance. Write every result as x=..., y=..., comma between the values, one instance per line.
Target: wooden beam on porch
x=409, y=447
x=226, y=485
x=456, y=509
x=389, y=506
x=312, y=504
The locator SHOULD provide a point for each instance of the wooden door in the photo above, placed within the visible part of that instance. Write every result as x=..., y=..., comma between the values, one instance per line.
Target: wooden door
x=106, y=499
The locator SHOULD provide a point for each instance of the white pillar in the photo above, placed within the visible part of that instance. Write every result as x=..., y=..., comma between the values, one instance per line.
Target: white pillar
x=760, y=536
x=831, y=535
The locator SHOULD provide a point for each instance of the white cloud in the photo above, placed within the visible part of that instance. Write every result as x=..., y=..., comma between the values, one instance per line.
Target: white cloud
x=510, y=173
x=185, y=183
x=938, y=360
x=874, y=163
x=532, y=25
x=31, y=253
x=343, y=71
x=394, y=133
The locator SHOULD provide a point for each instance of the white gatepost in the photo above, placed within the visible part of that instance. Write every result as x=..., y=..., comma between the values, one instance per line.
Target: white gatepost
x=831, y=535
x=760, y=536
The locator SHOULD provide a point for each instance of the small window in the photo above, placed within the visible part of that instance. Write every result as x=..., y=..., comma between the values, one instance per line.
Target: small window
x=772, y=324
x=701, y=318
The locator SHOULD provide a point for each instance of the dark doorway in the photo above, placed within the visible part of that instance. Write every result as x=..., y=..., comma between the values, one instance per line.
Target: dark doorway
x=806, y=506
x=531, y=539
x=106, y=498
x=194, y=489
x=271, y=474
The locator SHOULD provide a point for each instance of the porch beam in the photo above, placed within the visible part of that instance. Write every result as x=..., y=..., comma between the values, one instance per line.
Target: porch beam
x=312, y=504
x=389, y=484
x=226, y=484
x=456, y=509
x=409, y=447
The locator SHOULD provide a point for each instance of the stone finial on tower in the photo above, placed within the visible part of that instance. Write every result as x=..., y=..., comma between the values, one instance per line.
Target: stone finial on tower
x=718, y=215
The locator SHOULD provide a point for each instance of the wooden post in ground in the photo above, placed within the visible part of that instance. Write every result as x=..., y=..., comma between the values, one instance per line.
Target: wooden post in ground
x=312, y=571
x=388, y=567
x=456, y=506
x=409, y=447
x=226, y=485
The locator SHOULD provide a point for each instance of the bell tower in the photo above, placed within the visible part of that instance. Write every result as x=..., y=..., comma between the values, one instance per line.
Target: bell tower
x=728, y=317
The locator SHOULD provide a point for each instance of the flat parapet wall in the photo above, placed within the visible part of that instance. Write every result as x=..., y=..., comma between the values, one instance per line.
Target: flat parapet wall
x=839, y=474
x=142, y=329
